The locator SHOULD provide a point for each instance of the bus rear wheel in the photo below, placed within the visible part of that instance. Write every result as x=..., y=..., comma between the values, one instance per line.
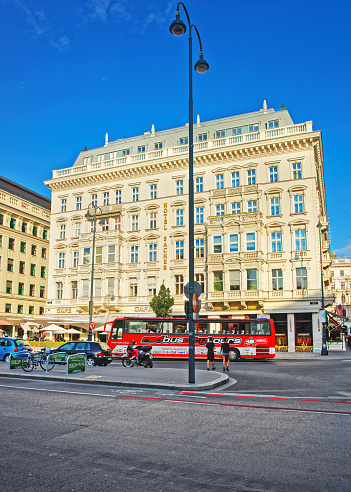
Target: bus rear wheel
x=234, y=355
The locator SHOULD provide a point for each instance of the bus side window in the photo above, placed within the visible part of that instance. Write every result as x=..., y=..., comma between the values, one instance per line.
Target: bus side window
x=180, y=328
x=165, y=327
x=202, y=328
x=247, y=329
x=215, y=328
x=225, y=329
x=151, y=328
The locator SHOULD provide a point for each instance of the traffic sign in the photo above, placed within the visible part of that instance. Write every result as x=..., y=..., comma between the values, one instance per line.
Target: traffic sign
x=196, y=303
x=197, y=289
x=91, y=325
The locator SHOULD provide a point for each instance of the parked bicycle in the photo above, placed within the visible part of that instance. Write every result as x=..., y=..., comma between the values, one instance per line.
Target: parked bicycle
x=42, y=359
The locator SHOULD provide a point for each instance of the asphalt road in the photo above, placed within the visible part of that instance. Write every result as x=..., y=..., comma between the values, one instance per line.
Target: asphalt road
x=283, y=426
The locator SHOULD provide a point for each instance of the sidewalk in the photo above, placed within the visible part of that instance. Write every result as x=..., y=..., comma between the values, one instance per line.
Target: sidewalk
x=157, y=378
x=117, y=375
x=332, y=355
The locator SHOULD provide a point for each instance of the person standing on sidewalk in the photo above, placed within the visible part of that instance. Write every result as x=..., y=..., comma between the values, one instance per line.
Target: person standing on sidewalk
x=225, y=349
x=210, y=353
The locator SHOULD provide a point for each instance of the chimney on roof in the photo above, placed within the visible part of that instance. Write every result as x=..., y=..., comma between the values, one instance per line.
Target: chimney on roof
x=153, y=129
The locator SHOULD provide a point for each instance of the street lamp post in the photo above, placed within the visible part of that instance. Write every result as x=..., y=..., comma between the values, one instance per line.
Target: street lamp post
x=101, y=222
x=178, y=28
x=324, y=350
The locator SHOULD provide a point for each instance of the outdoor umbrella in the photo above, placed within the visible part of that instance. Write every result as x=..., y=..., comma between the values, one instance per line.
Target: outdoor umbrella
x=32, y=326
x=72, y=330
x=56, y=328
x=99, y=328
x=60, y=330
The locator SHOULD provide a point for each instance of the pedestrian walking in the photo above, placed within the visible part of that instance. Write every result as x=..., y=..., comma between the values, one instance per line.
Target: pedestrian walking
x=349, y=341
x=210, y=353
x=225, y=349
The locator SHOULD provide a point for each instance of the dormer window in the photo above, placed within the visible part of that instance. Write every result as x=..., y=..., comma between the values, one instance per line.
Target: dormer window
x=272, y=124
x=253, y=128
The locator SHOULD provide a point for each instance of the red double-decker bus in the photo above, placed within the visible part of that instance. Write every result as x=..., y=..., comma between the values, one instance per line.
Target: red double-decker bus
x=169, y=337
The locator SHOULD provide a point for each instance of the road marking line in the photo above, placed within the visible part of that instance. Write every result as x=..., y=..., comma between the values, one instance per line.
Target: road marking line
x=236, y=395
x=196, y=396
x=57, y=391
x=348, y=414
x=182, y=401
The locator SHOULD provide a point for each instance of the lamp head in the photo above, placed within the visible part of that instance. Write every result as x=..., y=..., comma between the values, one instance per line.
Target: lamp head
x=319, y=225
x=87, y=215
x=101, y=222
x=201, y=65
x=177, y=27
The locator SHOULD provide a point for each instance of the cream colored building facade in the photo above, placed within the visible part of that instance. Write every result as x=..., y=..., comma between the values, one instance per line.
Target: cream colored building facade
x=259, y=195
x=24, y=252
x=340, y=271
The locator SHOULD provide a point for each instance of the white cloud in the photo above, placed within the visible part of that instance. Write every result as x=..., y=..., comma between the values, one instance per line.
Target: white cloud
x=41, y=27
x=61, y=44
x=137, y=13
x=102, y=9
x=344, y=252
x=35, y=18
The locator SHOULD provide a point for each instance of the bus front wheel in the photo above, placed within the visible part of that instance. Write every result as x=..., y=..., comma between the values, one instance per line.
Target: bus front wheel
x=234, y=355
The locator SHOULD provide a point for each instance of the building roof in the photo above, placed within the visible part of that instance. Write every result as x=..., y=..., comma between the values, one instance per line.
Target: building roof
x=171, y=137
x=25, y=193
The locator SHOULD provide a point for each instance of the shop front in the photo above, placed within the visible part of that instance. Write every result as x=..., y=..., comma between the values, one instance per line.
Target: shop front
x=281, y=331
x=303, y=332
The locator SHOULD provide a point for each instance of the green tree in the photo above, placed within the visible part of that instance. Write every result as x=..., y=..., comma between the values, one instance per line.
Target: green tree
x=162, y=303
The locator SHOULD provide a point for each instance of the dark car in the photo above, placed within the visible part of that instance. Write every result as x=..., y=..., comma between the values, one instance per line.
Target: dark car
x=98, y=353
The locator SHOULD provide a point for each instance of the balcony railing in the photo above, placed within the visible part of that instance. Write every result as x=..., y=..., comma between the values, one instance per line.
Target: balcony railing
x=241, y=217
x=184, y=149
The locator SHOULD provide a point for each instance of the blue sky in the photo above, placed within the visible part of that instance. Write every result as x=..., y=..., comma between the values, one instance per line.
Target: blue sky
x=73, y=70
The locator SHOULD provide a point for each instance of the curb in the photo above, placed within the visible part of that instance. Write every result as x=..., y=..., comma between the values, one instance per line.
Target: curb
x=317, y=357
x=223, y=379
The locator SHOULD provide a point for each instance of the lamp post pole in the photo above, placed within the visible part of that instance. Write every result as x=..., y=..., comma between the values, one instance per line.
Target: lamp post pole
x=324, y=350
x=178, y=28
x=101, y=222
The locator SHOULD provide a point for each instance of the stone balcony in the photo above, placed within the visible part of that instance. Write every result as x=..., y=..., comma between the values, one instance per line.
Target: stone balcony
x=264, y=135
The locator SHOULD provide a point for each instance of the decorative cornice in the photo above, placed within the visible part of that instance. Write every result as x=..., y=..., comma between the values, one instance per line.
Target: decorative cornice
x=177, y=163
